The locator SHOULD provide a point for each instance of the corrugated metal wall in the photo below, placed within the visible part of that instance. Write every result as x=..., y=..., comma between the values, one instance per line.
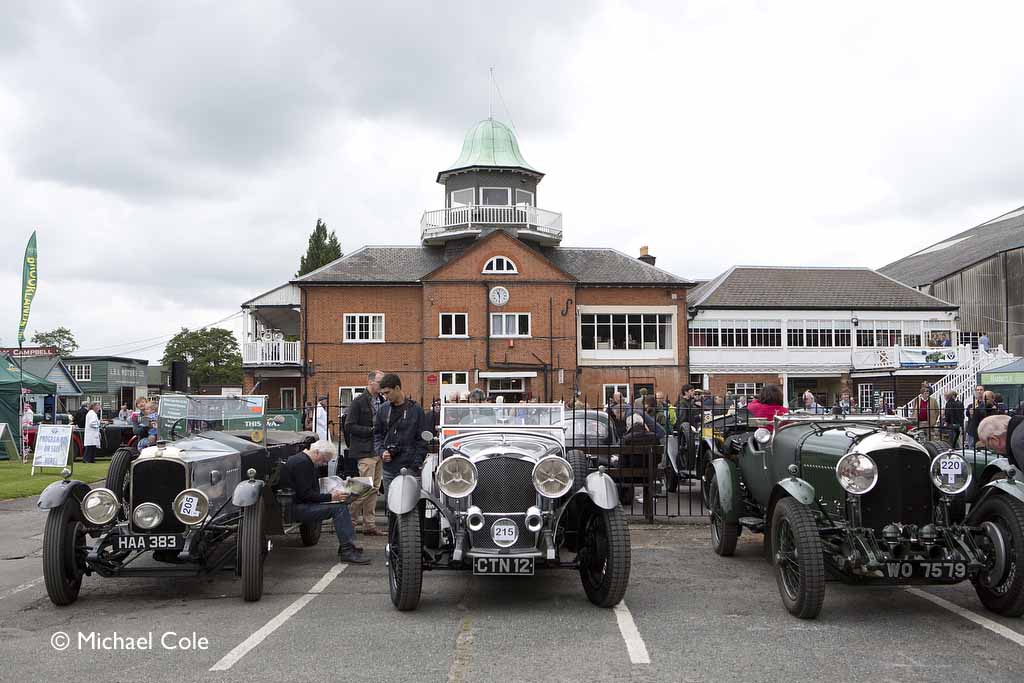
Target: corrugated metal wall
x=980, y=291
x=1015, y=300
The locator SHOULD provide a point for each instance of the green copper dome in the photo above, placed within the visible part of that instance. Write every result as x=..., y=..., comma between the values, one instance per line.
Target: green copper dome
x=489, y=144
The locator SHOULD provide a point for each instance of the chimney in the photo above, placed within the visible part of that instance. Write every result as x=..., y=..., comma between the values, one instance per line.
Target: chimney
x=646, y=257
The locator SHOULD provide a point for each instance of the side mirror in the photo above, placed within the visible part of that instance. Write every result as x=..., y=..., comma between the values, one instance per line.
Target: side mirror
x=427, y=435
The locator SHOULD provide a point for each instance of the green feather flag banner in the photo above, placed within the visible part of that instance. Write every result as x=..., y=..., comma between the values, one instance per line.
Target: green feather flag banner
x=29, y=278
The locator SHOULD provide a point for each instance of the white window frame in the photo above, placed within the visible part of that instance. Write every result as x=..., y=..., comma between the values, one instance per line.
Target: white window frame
x=453, y=335
x=355, y=392
x=80, y=372
x=489, y=268
x=612, y=356
x=529, y=325
x=622, y=388
x=517, y=385
x=533, y=198
x=453, y=375
x=750, y=390
x=383, y=328
x=451, y=198
x=508, y=196
x=295, y=397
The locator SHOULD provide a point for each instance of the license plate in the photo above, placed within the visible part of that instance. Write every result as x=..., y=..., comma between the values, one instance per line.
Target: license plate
x=504, y=532
x=936, y=571
x=150, y=542
x=503, y=566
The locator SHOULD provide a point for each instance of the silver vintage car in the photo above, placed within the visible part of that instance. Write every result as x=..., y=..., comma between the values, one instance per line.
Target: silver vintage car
x=502, y=497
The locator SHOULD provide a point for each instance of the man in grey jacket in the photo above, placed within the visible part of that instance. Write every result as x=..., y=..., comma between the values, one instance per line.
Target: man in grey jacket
x=359, y=435
x=1004, y=435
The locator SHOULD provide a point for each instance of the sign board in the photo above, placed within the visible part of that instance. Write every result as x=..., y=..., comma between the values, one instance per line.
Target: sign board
x=28, y=352
x=53, y=443
x=8, y=446
x=942, y=355
x=431, y=379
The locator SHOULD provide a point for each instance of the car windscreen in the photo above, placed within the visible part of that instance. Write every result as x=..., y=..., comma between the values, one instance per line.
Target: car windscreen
x=498, y=414
x=590, y=429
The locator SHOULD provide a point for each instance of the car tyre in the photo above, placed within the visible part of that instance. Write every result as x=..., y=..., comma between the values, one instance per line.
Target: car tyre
x=1005, y=595
x=671, y=477
x=604, y=556
x=117, y=472
x=309, y=532
x=626, y=495
x=578, y=461
x=723, y=534
x=405, y=560
x=252, y=547
x=64, y=552
x=797, y=557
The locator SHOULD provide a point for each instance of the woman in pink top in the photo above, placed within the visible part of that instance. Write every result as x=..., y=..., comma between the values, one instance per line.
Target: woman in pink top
x=768, y=404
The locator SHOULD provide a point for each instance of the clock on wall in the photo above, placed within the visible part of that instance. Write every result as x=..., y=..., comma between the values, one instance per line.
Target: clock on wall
x=499, y=296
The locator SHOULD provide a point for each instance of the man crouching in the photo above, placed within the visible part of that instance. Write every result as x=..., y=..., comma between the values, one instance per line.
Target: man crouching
x=311, y=506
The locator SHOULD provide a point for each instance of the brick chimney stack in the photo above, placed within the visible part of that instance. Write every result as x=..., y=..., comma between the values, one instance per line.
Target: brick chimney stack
x=645, y=256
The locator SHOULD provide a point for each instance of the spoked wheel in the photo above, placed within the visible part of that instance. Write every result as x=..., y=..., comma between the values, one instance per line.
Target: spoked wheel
x=252, y=550
x=723, y=534
x=604, y=556
x=405, y=560
x=796, y=553
x=117, y=473
x=64, y=551
x=309, y=532
x=1000, y=586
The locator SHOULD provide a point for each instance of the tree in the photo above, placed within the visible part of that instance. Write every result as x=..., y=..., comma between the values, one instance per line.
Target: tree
x=323, y=248
x=211, y=355
x=61, y=337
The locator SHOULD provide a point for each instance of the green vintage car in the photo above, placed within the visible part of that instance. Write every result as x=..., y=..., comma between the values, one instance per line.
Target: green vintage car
x=855, y=499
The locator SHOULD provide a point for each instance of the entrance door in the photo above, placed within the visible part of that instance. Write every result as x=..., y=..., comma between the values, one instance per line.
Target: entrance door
x=646, y=387
x=288, y=398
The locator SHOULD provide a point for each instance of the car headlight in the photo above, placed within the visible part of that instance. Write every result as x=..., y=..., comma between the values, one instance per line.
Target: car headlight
x=762, y=435
x=148, y=515
x=99, y=506
x=950, y=473
x=552, y=476
x=456, y=476
x=191, y=506
x=857, y=473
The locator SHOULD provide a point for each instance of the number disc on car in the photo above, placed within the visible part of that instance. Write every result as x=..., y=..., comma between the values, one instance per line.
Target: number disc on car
x=504, y=532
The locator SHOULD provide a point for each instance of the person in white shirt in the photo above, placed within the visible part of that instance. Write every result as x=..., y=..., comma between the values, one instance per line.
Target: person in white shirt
x=27, y=417
x=320, y=420
x=92, y=432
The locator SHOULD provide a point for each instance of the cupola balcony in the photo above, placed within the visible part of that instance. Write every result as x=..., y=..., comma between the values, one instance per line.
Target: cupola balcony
x=525, y=221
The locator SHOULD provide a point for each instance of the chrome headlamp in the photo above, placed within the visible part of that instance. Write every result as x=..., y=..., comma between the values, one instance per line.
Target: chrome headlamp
x=762, y=435
x=99, y=506
x=191, y=506
x=552, y=476
x=950, y=473
x=456, y=476
x=857, y=473
x=148, y=515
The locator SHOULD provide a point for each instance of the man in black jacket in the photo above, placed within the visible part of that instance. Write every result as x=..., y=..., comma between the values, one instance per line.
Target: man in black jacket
x=397, y=430
x=359, y=435
x=311, y=506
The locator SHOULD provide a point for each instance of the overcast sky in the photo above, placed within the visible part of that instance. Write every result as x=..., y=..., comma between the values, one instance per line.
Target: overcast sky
x=175, y=156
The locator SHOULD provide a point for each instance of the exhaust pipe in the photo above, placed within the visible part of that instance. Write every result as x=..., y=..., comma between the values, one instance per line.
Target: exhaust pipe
x=475, y=518
x=534, y=519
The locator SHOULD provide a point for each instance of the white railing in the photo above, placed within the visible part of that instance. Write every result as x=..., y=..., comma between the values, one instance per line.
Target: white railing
x=876, y=359
x=270, y=353
x=964, y=377
x=439, y=221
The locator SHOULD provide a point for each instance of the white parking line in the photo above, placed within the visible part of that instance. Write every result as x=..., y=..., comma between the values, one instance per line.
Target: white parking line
x=634, y=643
x=24, y=586
x=993, y=626
x=243, y=648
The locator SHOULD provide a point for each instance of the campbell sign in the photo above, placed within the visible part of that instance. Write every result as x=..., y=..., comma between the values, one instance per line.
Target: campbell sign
x=29, y=352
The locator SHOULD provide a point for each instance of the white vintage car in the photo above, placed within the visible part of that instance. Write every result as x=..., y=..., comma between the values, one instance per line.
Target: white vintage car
x=502, y=497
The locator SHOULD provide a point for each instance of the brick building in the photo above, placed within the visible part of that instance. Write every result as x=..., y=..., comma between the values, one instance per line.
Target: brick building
x=489, y=300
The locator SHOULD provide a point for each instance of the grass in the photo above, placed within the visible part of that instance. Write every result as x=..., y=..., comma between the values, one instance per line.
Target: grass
x=16, y=480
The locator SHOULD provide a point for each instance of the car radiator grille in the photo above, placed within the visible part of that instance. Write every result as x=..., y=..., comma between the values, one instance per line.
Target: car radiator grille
x=903, y=493
x=504, y=485
x=158, y=480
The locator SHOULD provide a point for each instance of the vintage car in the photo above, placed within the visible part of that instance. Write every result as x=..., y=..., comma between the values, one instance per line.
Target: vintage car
x=855, y=498
x=193, y=506
x=502, y=497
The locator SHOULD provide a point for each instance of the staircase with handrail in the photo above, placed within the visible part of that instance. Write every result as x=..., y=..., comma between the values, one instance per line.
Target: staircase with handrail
x=963, y=378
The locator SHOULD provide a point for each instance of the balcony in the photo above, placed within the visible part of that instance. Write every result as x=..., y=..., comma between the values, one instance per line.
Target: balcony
x=528, y=222
x=271, y=353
